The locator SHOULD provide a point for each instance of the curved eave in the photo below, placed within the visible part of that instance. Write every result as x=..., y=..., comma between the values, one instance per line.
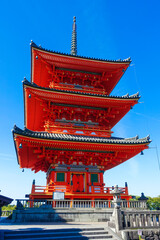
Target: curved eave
x=77, y=93
x=28, y=143
x=13, y=134
x=44, y=136
x=125, y=61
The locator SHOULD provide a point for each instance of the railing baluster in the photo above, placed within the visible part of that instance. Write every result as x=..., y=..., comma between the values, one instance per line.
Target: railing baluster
x=84, y=204
x=154, y=220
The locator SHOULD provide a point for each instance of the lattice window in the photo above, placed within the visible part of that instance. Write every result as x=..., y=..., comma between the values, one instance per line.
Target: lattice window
x=94, y=178
x=60, y=177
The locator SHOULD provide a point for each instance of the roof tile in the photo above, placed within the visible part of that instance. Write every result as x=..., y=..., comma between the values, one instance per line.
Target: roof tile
x=77, y=138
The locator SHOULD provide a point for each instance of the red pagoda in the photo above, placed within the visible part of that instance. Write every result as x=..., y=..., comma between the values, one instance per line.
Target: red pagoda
x=69, y=116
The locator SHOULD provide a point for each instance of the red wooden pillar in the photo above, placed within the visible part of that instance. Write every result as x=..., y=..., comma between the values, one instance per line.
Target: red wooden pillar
x=87, y=181
x=109, y=203
x=101, y=177
x=31, y=203
x=93, y=203
x=53, y=204
x=51, y=176
x=92, y=188
x=68, y=179
x=81, y=183
x=71, y=203
x=101, y=181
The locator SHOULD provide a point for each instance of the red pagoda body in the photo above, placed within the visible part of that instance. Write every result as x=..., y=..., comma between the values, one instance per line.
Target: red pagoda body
x=69, y=116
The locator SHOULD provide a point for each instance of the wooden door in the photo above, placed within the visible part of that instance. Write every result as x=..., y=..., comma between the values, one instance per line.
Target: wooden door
x=78, y=182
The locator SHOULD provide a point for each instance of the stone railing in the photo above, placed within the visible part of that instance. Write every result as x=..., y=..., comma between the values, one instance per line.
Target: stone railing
x=23, y=203
x=141, y=219
x=134, y=204
x=6, y=213
x=127, y=220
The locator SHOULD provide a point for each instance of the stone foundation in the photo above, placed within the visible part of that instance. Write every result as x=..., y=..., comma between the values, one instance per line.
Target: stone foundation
x=61, y=215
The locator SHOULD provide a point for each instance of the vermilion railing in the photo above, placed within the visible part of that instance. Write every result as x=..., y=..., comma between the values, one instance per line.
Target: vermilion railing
x=69, y=189
x=78, y=88
x=57, y=188
x=72, y=128
x=107, y=190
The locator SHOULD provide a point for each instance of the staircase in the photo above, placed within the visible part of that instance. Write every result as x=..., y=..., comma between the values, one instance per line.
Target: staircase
x=57, y=234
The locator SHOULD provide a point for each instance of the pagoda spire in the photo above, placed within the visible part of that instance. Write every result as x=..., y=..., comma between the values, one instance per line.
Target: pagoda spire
x=74, y=38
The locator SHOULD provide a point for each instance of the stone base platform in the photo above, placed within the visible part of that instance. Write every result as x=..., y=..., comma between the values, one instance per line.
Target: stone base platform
x=61, y=215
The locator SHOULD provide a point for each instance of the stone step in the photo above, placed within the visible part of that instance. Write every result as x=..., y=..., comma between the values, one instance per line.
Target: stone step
x=79, y=237
x=53, y=234
x=58, y=234
x=53, y=230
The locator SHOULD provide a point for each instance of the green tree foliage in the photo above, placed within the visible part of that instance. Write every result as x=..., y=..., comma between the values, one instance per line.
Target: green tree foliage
x=154, y=203
x=135, y=198
x=8, y=208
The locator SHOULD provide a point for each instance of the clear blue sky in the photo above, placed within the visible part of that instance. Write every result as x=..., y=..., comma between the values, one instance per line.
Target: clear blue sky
x=106, y=29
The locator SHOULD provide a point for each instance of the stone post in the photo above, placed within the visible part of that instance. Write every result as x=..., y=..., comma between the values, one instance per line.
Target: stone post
x=143, y=201
x=116, y=218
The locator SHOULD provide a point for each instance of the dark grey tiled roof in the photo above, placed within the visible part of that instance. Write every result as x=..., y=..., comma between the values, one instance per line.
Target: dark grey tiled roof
x=127, y=60
x=5, y=200
x=133, y=96
x=80, y=138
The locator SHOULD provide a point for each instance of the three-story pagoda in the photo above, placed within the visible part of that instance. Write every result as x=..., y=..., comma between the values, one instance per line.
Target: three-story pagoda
x=69, y=116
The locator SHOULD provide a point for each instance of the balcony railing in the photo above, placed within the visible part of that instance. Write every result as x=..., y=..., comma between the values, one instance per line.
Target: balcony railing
x=47, y=189
x=69, y=189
